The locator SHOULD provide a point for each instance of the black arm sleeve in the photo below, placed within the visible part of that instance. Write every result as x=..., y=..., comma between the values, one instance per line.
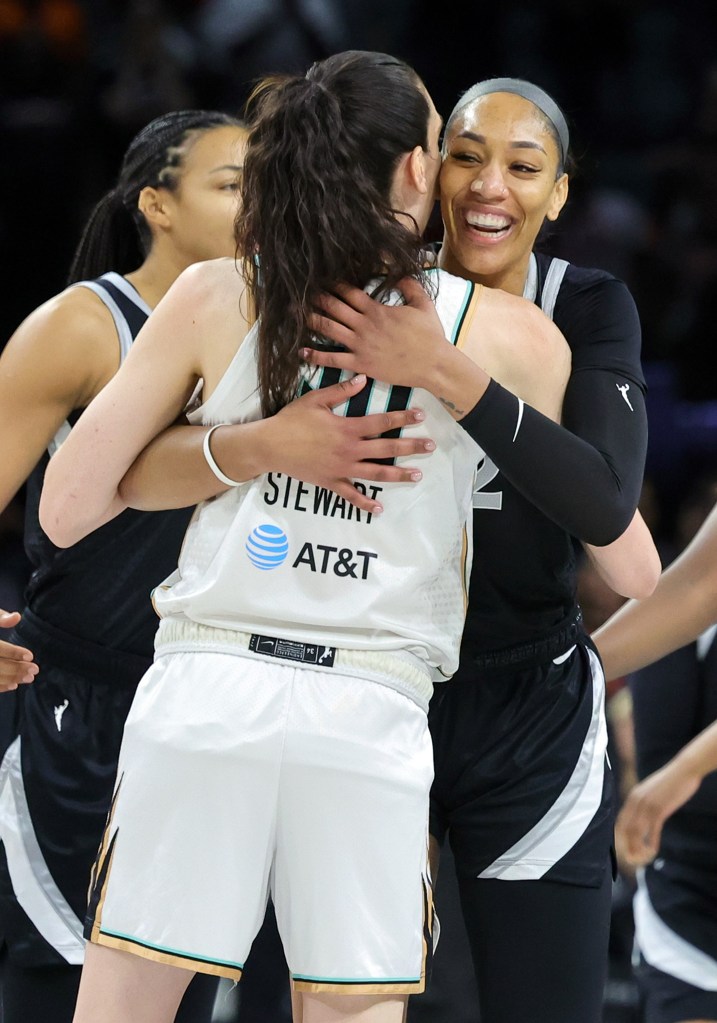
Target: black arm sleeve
x=585, y=475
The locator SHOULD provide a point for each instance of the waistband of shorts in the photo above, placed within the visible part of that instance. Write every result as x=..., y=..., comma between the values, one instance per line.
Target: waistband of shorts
x=396, y=669
x=78, y=655
x=523, y=655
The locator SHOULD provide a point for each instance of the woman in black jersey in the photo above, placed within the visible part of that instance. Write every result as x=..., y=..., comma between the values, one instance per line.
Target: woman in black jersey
x=523, y=787
x=319, y=205
x=88, y=625
x=674, y=698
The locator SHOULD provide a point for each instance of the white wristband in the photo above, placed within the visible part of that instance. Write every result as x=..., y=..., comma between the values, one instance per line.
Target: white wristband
x=210, y=459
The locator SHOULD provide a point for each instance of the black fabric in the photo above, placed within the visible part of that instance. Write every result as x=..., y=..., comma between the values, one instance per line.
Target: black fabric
x=505, y=746
x=133, y=313
x=68, y=775
x=53, y=647
x=522, y=582
x=91, y=625
x=539, y=949
x=503, y=739
x=685, y=899
x=538, y=456
x=75, y=589
x=665, y=999
x=673, y=700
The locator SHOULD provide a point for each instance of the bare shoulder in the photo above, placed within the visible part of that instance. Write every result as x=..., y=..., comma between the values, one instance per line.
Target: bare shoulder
x=204, y=316
x=520, y=311
x=523, y=327
x=70, y=342
x=215, y=287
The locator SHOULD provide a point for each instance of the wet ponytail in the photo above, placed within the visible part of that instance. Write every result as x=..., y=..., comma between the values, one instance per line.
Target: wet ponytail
x=116, y=235
x=316, y=196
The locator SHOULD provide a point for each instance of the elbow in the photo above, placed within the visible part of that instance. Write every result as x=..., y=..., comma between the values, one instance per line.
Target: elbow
x=58, y=521
x=608, y=527
x=638, y=576
x=645, y=580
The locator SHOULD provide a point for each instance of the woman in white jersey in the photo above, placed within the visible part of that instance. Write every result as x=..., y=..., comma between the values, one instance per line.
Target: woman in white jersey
x=279, y=743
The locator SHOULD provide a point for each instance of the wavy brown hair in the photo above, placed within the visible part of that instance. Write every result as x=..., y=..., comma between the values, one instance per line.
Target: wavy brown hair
x=316, y=196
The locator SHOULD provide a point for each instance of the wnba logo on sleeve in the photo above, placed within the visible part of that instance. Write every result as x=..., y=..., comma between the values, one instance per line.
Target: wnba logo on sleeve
x=267, y=546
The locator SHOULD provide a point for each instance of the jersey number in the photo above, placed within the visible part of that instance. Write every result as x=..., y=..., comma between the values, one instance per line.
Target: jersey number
x=482, y=498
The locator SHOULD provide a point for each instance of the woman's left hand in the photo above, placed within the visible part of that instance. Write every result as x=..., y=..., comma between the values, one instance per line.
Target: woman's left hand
x=395, y=344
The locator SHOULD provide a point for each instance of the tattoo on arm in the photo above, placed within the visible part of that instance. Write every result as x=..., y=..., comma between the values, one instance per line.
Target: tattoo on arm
x=451, y=407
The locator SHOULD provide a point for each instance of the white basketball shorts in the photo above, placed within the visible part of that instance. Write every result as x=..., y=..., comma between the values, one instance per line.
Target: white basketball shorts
x=239, y=778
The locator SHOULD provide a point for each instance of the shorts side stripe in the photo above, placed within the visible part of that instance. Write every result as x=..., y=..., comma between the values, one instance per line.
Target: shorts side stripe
x=100, y=874
x=667, y=951
x=170, y=957
x=428, y=924
x=39, y=896
x=569, y=817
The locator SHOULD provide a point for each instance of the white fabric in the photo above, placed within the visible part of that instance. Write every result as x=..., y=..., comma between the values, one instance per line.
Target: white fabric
x=278, y=549
x=258, y=777
x=662, y=948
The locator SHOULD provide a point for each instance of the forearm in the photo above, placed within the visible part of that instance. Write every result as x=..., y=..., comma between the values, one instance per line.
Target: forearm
x=305, y=440
x=454, y=379
x=698, y=757
x=631, y=564
x=70, y=508
x=172, y=471
x=644, y=631
x=538, y=456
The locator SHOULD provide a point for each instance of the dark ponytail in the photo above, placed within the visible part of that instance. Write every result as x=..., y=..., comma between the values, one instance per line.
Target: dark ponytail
x=116, y=235
x=316, y=196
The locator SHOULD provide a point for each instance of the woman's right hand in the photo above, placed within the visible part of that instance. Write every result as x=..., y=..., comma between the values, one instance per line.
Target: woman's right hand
x=649, y=804
x=16, y=663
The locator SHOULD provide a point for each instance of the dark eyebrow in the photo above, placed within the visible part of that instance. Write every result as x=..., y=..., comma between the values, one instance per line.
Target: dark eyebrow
x=226, y=167
x=513, y=145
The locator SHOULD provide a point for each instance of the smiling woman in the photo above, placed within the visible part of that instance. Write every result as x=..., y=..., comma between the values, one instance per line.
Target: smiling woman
x=503, y=176
x=299, y=640
x=522, y=785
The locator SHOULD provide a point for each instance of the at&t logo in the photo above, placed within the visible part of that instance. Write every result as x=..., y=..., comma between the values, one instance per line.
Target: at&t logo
x=267, y=547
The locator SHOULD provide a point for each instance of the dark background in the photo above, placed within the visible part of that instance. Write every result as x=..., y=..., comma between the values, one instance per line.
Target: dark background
x=637, y=80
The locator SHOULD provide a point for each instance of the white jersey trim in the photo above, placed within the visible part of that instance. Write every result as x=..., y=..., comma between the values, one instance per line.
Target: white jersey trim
x=569, y=817
x=35, y=890
x=662, y=948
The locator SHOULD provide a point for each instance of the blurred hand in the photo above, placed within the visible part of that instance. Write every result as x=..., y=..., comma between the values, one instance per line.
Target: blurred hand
x=16, y=664
x=649, y=804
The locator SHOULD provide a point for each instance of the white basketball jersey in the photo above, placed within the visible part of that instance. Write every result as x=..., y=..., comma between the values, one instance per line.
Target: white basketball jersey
x=291, y=559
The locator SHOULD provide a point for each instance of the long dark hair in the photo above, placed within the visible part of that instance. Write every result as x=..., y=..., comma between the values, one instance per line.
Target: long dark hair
x=116, y=235
x=316, y=196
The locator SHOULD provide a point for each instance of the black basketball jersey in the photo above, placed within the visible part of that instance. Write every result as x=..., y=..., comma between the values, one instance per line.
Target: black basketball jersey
x=522, y=584
x=98, y=591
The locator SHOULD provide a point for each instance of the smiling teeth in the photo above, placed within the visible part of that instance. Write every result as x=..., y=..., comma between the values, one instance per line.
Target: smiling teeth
x=487, y=220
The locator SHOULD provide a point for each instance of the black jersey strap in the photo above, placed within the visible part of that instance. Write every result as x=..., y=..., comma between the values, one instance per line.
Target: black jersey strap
x=133, y=314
